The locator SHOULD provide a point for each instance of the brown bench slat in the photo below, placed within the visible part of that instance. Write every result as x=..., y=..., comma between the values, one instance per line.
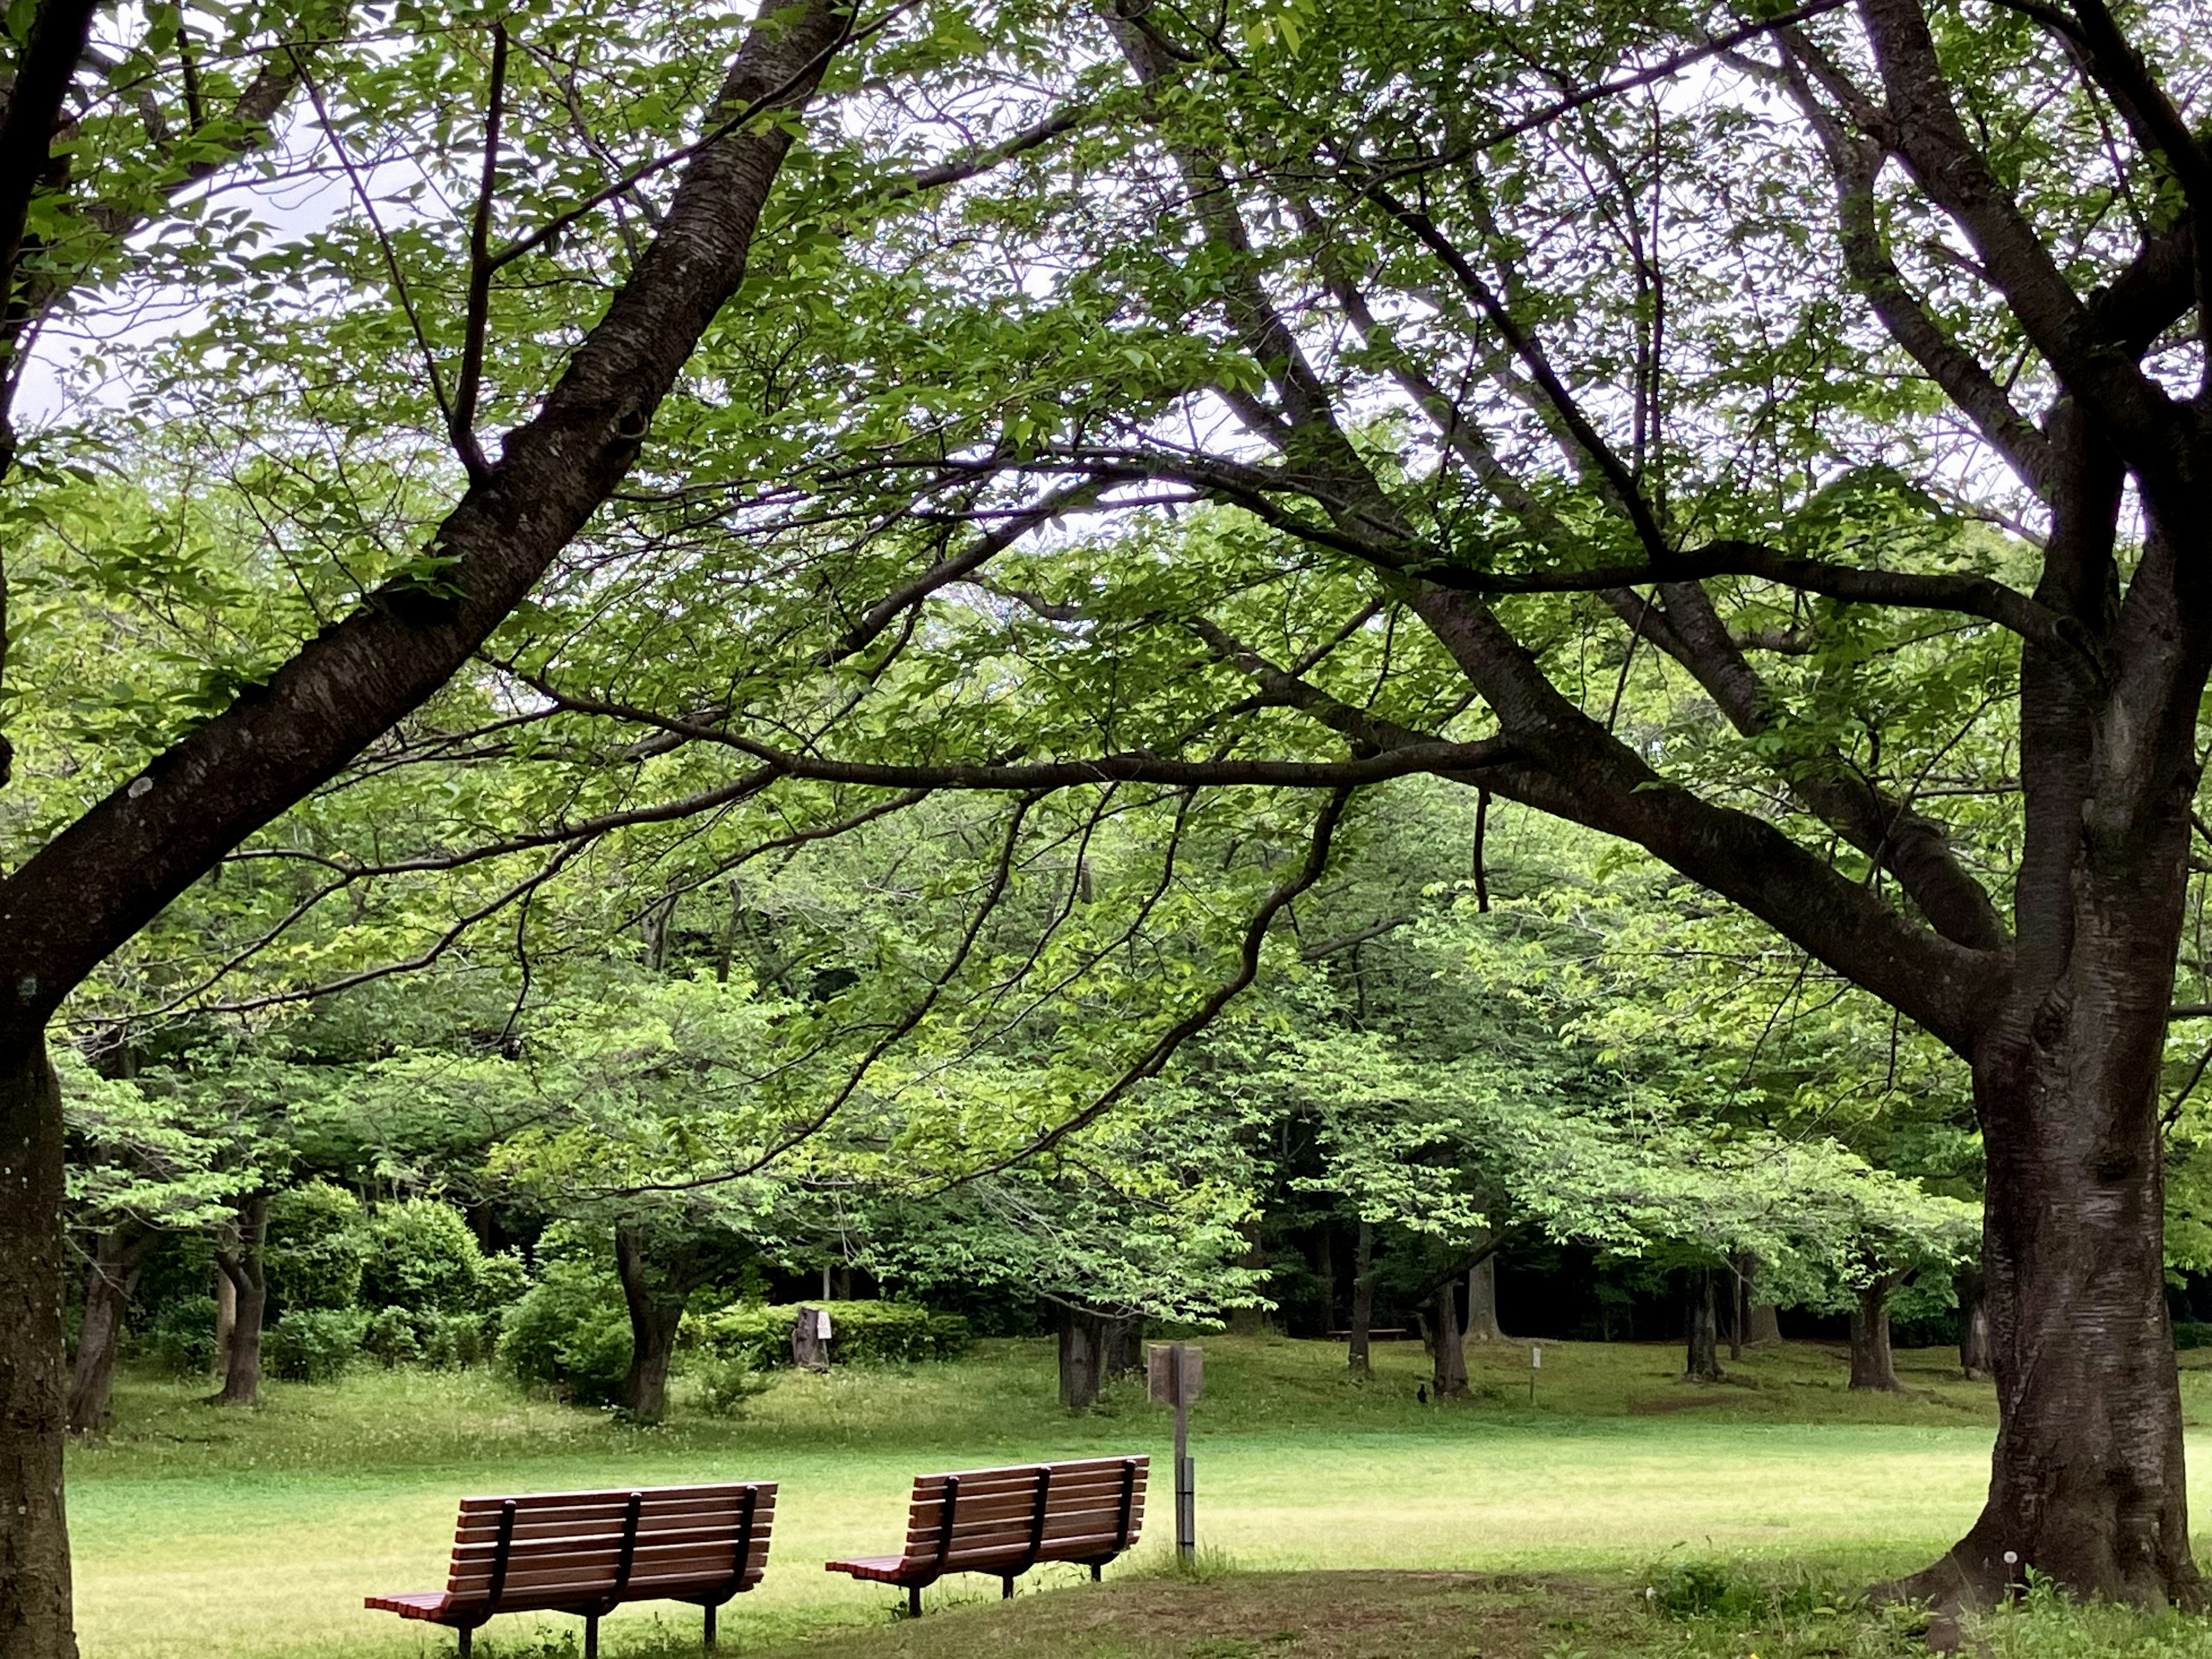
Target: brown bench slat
x=925, y=1522
x=598, y=1518
x=578, y=1545
x=583, y=1580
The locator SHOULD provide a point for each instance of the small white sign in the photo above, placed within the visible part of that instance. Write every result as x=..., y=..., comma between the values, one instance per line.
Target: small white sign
x=1537, y=1357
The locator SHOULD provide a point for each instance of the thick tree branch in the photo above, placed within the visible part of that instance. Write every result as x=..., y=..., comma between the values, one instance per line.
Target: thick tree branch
x=108, y=874
x=1922, y=127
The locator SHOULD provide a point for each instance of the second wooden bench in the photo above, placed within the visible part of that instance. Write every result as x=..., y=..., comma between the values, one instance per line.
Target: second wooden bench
x=1004, y=1522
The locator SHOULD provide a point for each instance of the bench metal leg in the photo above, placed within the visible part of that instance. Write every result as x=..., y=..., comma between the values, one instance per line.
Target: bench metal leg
x=1097, y=1569
x=590, y=1636
x=913, y=1601
x=710, y=1627
x=466, y=1634
x=1006, y=1588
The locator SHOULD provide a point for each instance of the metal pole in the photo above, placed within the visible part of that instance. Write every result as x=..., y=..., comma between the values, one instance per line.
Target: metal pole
x=1186, y=1511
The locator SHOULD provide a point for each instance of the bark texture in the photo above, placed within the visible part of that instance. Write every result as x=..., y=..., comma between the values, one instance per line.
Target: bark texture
x=1448, y=1352
x=655, y=1311
x=1082, y=1359
x=35, y=1618
x=117, y=1255
x=241, y=1259
x=1872, y=1365
x=1482, y=1302
x=1363, y=1300
x=1702, y=1361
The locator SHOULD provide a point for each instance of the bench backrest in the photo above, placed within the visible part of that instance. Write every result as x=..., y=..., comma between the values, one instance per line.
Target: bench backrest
x=1010, y=1519
x=561, y=1549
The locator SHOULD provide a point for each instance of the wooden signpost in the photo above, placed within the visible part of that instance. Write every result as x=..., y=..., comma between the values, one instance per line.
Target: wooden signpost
x=1535, y=1364
x=1174, y=1375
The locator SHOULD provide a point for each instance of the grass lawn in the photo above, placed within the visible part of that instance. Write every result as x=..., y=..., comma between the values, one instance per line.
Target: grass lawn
x=200, y=1532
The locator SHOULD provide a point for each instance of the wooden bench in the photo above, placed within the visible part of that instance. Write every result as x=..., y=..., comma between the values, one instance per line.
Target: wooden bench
x=1004, y=1522
x=587, y=1552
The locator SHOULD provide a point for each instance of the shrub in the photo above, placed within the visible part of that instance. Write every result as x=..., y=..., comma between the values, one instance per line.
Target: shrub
x=182, y=1336
x=571, y=1331
x=2192, y=1334
x=725, y=1385
x=314, y=1344
x=859, y=1331
x=315, y=1249
x=422, y=1256
x=404, y=1336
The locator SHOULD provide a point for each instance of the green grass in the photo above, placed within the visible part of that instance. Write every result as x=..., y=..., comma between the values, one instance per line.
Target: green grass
x=201, y=1532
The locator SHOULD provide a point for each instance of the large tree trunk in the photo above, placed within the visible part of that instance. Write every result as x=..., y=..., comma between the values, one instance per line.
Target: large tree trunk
x=1973, y=1323
x=1082, y=1359
x=35, y=1620
x=2088, y=1481
x=1482, y=1301
x=1703, y=1361
x=117, y=1254
x=1872, y=1364
x=1450, y=1369
x=654, y=1316
x=1363, y=1299
x=243, y=1269
x=1123, y=1341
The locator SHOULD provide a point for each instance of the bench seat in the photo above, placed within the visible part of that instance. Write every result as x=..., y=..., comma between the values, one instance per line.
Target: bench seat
x=1005, y=1521
x=587, y=1552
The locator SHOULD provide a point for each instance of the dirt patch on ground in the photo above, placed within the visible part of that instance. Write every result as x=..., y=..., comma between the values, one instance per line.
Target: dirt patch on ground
x=1344, y=1615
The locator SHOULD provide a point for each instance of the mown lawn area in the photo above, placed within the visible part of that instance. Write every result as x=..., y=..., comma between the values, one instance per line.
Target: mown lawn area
x=200, y=1532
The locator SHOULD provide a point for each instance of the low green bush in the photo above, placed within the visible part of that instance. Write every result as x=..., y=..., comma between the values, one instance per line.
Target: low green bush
x=2192, y=1334
x=405, y=1336
x=314, y=1344
x=570, y=1332
x=725, y=1385
x=864, y=1332
x=421, y=1255
x=182, y=1336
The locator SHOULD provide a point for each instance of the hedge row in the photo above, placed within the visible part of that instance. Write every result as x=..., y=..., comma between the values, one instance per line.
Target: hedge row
x=880, y=1331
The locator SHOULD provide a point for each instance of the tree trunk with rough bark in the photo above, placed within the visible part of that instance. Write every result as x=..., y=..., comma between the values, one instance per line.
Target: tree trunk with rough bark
x=1482, y=1301
x=1763, y=1325
x=1082, y=1359
x=1873, y=1366
x=243, y=1269
x=655, y=1312
x=117, y=1254
x=1363, y=1300
x=35, y=1618
x=1448, y=1374
x=1702, y=1363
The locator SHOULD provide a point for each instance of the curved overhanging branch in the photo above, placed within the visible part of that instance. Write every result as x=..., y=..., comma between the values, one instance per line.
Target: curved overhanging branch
x=111, y=870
